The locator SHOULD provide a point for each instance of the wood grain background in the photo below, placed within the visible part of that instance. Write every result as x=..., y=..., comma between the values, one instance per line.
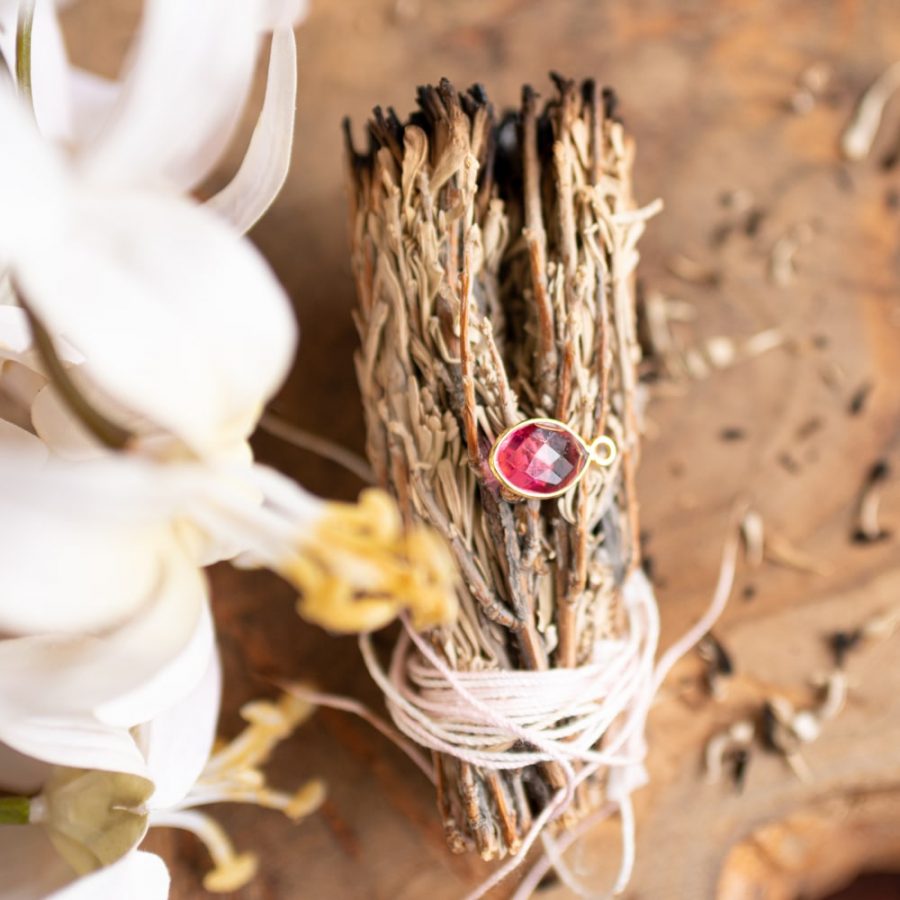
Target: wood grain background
x=706, y=87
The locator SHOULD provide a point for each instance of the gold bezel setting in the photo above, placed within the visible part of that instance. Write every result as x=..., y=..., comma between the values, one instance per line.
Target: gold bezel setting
x=590, y=450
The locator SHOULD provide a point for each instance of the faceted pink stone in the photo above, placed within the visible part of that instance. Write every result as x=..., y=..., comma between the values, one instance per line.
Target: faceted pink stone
x=540, y=458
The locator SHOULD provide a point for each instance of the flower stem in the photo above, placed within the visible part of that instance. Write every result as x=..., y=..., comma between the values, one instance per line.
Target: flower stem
x=14, y=810
x=23, y=49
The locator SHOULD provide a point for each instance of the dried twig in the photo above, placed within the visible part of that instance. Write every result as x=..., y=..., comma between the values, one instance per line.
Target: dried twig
x=868, y=529
x=719, y=665
x=857, y=140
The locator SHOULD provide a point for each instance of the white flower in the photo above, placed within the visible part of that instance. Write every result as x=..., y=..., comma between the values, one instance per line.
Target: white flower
x=180, y=98
x=73, y=822
x=152, y=315
x=85, y=547
x=173, y=327
x=88, y=546
x=183, y=330
x=105, y=614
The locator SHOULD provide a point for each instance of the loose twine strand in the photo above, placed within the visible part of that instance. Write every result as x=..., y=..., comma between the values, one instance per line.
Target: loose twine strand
x=507, y=719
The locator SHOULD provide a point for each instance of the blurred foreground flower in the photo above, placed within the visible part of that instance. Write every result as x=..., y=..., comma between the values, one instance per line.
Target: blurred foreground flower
x=147, y=325
x=181, y=330
x=65, y=823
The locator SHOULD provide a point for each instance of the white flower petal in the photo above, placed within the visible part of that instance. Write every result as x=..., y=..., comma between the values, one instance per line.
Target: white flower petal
x=78, y=741
x=32, y=183
x=178, y=742
x=50, y=83
x=31, y=868
x=137, y=876
x=65, y=573
x=182, y=96
x=83, y=546
x=93, y=100
x=15, y=335
x=6, y=295
x=174, y=653
x=124, y=677
x=264, y=169
x=178, y=318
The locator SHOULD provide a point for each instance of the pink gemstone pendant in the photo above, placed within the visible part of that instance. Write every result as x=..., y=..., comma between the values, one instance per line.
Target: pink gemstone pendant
x=544, y=458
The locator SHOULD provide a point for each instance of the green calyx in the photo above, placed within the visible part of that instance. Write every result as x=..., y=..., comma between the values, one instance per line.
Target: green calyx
x=14, y=810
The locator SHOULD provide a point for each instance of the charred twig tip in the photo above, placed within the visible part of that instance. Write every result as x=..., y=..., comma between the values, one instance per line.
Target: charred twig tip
x=713, y=651
x=842, y=642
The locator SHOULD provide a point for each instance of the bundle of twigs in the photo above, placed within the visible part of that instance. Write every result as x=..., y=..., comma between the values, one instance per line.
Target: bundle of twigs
x=494, y=261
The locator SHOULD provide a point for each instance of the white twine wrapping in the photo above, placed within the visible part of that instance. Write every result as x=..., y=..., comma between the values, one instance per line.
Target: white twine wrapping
x=505, y=719
x=508, y=719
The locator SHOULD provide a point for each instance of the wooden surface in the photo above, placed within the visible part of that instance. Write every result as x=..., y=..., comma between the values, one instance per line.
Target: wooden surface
x=706, y=89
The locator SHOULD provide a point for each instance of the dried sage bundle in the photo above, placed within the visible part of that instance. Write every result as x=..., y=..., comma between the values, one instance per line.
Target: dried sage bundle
x=494, y=260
